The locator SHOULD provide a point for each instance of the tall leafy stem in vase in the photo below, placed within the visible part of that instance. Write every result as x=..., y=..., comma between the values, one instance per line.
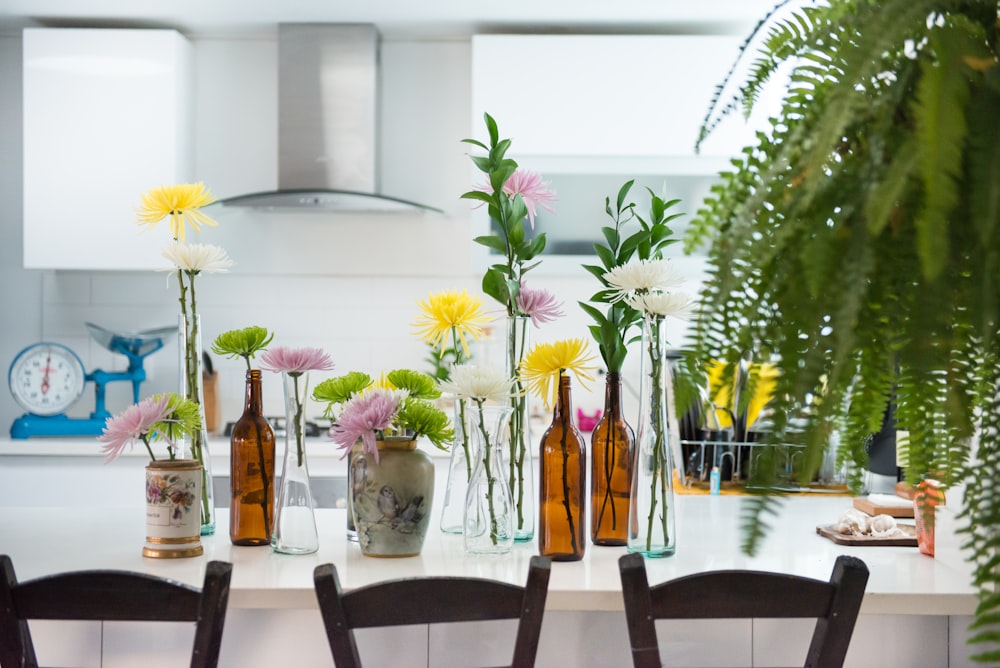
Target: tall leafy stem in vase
x=507, y=213
x=613, y=325
x=507, y=209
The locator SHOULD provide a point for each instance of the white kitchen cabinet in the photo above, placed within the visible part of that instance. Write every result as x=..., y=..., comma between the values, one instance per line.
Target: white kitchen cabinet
x=590, y=112
x=605, y=95
x=107, y=116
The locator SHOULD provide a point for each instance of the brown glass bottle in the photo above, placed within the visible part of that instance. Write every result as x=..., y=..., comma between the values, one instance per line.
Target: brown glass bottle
x=611, y=447
x=251, y=506
x=563, y=477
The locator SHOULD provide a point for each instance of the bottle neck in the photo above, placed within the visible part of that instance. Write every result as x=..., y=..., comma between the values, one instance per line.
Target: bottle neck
x=613, y=395
x=254, y=401
x=563, y=411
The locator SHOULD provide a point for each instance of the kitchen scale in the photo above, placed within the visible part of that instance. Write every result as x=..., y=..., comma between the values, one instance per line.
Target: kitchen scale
x=47, y=378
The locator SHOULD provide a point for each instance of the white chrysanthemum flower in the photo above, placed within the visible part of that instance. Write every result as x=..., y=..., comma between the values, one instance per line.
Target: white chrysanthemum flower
x=641, y=276
x=676, y=304
x=469, y=381
x=197, y=258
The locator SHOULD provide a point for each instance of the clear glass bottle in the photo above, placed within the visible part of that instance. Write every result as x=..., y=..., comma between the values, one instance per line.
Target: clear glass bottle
x=562, y=493
x=652, y=527
x=611, y=448
x=460, y=467
x=488, y=525
x=251, y=459
x=295, y=512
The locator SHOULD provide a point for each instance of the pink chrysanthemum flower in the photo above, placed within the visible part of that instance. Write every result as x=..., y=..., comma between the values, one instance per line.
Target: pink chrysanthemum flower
x=532, y=189
x=538, y=304
x=362, y=416
x=295, y=360
x=132, y=424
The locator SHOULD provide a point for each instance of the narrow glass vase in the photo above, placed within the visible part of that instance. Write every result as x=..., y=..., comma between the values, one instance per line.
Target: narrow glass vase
x=195, y=446
x=488, y=523
x=652, y=525
x=460, y=467
x=295, y=513
x=520, y=476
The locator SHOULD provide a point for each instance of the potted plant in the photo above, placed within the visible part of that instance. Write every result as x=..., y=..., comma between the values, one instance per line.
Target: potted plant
x=855, y=245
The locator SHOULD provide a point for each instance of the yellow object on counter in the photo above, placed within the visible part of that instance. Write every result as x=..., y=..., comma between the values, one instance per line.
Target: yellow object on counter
x=767, y=375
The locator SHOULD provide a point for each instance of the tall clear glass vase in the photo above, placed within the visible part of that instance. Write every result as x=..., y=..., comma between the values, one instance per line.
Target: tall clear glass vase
x=295, y=511
x=192, y=387
x=652, y=526
x=520, y=476
x=459, y=472
x=489, y=509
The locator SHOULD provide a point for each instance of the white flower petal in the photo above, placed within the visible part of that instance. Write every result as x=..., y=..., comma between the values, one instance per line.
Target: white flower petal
x=641, y=276
x=198, y=258
x=676, y=304
x=469, y=381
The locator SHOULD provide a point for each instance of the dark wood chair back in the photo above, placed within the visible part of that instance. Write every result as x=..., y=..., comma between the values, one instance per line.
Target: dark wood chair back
x=735, y=594
x=431, y=600
x=111, y=595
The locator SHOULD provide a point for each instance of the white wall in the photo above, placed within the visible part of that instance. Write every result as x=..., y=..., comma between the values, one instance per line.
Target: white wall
x=349, y=284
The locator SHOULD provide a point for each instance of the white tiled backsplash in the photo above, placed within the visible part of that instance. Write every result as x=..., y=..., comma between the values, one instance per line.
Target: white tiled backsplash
x=364, y=322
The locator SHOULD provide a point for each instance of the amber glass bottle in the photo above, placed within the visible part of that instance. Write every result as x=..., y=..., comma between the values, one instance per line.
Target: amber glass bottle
x=251, y=506
x=562, y=492
x=611, y=446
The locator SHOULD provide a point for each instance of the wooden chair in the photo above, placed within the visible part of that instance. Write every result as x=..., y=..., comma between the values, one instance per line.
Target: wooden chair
x=115, y=596
x=745, y=594
x=431, y=600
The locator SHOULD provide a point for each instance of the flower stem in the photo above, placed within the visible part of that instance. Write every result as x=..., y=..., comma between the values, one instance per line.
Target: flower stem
x=518, y=418
x=490, y=475
x=460, y=431
x=658, y=428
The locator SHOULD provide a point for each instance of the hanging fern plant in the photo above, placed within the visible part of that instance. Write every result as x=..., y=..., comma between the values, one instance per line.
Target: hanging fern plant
x=857, y=245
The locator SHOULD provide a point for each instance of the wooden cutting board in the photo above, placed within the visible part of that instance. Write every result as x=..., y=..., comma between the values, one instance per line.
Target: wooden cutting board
x=909, y=540
x=866, y=505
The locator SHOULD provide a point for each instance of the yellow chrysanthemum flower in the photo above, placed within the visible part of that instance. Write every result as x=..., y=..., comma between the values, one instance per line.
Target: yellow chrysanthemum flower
x=181, y=203
x=542, y=367
x=456, y=313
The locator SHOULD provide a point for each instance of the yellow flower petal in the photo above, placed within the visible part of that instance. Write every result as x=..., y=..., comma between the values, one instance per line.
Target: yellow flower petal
x=178, y=202
x=541, y=367
x=457, y=313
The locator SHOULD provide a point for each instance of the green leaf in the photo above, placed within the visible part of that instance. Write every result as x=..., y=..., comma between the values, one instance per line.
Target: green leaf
x=623, y=193
x=495, y=285
x=492, y=241
x=597, y=272
x=605, y=255
x=479, y=195
x=611, y=236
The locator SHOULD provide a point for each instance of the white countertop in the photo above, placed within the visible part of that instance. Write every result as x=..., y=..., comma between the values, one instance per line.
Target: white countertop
x=903, y=581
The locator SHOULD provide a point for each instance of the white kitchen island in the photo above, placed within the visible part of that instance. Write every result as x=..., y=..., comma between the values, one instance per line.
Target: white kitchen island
x=914, y=614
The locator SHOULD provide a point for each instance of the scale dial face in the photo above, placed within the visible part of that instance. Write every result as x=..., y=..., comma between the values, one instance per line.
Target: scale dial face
x=46, y=378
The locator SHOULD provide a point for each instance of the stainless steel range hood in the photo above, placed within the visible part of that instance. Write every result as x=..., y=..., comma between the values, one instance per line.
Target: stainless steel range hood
x=327, y=123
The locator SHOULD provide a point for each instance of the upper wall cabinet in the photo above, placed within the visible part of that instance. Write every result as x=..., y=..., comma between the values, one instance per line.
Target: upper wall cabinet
x=107, y=116
x=605, y=95
x=591, y=112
